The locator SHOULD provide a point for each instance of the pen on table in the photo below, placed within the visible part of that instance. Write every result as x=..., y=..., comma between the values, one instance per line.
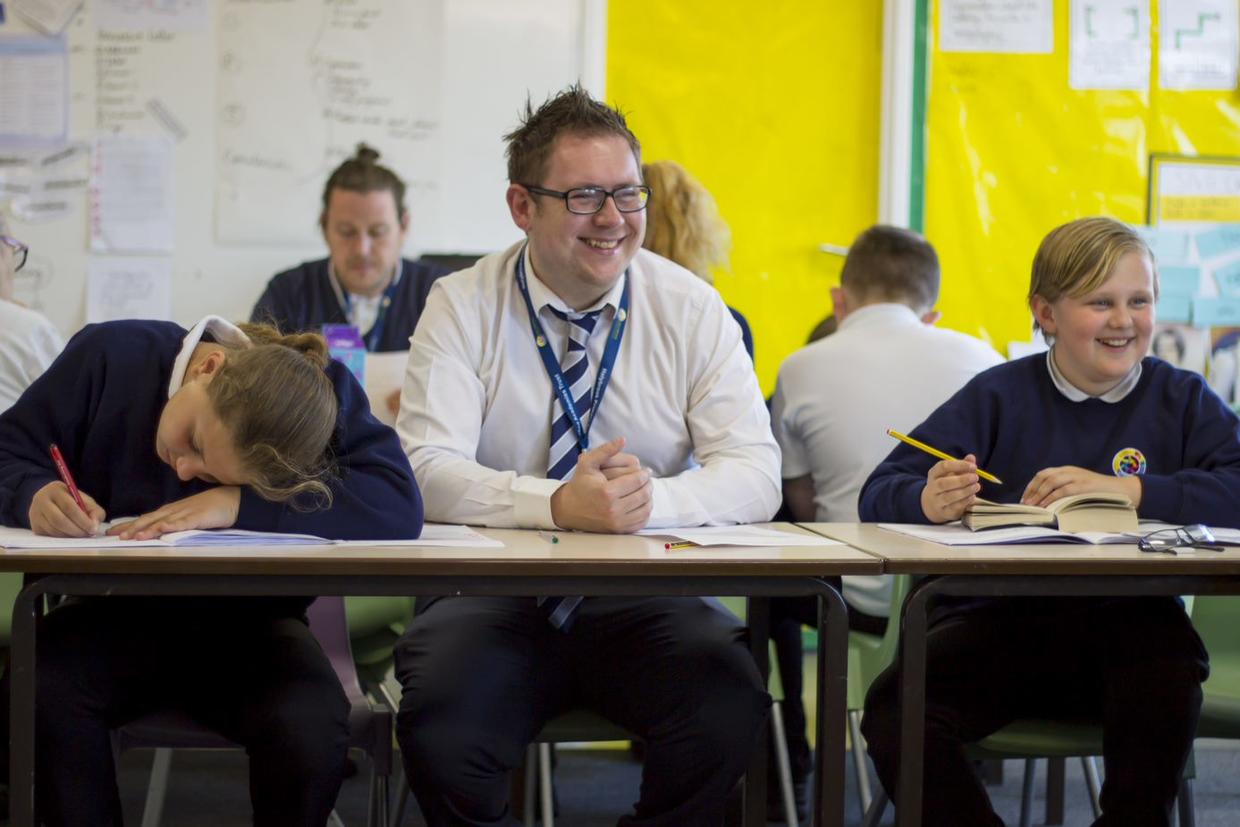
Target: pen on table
x=549, y=537
x=66, y=477
x=935, y=452
x=677, y=546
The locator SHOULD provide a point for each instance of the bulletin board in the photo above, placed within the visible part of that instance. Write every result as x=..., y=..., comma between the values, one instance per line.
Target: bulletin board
x=1013, y=151
x=777, y=112
x=253, y=102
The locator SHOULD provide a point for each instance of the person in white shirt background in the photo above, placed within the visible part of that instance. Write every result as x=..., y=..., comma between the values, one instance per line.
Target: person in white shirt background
x=886, y=366
x=28, y=341
x=673, y=432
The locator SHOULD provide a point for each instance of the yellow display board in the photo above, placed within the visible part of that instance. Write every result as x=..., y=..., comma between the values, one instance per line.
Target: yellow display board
x=775, y=108
x=1013, y=152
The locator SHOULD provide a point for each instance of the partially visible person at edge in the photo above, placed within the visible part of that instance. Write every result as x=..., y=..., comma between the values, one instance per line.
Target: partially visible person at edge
x=28, y=341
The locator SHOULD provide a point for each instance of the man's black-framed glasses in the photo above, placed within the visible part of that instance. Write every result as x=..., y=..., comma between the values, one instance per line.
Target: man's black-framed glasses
x=20, y=251
x=1167, y=540
x=589, y=200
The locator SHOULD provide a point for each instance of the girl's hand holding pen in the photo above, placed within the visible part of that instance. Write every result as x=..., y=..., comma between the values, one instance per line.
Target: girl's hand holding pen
x=55, y=513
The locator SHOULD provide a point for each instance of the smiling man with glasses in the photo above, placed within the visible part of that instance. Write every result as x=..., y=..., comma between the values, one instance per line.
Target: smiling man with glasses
x=578, y=381
x=28, y=341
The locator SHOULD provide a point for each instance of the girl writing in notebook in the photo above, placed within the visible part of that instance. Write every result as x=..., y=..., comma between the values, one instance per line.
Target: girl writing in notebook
x=216, y=427
x=1095, y=413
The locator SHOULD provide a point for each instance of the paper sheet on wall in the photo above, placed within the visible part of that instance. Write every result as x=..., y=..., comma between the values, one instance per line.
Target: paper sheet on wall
x=131, y=196
x=1198, y=44
x=169, y=15
x=1011, y=26
x=34, y=90
x=48, y=16
x=300, y=84
x=1109, y=44
x=129, y=288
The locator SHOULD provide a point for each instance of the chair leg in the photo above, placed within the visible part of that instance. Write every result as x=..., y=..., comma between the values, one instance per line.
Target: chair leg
x=784, y=765
x=531, y=783
x=157, y=787
x=1026, y=793
x=1055, y=772
x=1092, y=783
x=544, y=781
x=377, y=808
x=1184, y=804
x=877, y=807
x=402, y=800
x=859, y=763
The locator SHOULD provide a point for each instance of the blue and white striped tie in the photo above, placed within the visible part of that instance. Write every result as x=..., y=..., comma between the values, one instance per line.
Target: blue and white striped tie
x=564, y=445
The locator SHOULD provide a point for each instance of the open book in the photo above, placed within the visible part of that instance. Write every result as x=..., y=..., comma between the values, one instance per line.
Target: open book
x=1100, y=511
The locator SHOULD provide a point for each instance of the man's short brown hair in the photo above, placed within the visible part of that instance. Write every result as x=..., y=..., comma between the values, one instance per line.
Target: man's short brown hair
x=572, y=111
x=893, y=264
x=363, y=173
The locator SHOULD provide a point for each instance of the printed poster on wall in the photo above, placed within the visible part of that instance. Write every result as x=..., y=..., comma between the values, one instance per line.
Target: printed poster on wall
x=1198, y=42
x=1109, y=44
x=1010, y=26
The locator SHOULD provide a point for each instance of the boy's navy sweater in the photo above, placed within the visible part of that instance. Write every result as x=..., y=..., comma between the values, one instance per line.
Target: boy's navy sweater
x=303, y=299
x=1016, y=422
x=100, y=401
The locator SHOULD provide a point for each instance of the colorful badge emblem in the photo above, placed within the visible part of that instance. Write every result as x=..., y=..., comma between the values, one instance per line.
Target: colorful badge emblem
x=1129, y=462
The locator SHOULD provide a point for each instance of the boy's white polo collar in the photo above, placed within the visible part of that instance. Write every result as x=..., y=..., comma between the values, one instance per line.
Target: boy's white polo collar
x=891, y=313
x=222, y=331
x=1075, y=394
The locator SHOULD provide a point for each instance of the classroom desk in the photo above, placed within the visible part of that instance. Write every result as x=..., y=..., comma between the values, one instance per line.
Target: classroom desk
x=527, y=565
x=1011, y=570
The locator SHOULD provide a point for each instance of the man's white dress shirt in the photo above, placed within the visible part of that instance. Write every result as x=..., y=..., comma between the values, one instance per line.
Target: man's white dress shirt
x=28, y=344
x=836, y=398
x=476, y=406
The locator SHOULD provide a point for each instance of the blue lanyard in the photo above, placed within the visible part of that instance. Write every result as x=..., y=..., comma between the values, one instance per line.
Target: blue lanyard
x=552, y=364
x=376, y=330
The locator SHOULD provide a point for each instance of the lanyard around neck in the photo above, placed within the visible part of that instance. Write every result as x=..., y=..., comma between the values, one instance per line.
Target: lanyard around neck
x=552, y=364
x=375, y=335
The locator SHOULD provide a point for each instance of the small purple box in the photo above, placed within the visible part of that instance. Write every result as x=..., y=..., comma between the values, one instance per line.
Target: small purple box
x=345, y=345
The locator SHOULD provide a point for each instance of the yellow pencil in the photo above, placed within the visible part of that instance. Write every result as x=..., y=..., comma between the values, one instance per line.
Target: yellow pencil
x=935, y=452
x=678, y=546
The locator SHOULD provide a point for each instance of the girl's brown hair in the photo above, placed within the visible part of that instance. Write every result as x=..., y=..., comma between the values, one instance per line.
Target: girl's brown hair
x=279, y=405
x=683, y=222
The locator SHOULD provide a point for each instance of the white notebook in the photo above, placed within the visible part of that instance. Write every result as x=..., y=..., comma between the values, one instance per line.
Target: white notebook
x=435, y=535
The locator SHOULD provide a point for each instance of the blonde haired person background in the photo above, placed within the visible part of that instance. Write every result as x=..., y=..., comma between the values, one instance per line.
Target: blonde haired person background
x=683, y=225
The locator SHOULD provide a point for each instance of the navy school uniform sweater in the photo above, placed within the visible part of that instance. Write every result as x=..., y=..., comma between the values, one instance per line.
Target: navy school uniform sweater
x=1171, y=429
x=100, y=401
x=303, y=299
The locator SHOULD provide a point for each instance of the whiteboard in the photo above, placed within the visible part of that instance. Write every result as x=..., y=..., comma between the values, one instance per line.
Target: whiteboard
x=261, y=99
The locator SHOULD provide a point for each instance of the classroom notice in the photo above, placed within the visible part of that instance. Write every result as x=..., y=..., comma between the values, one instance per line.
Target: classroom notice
x=1198, y=44
x=1109, y=44
x=1011, y=26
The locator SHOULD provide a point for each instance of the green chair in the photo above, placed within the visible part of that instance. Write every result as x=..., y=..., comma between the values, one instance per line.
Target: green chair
x=1216, y=619
x=375, y=624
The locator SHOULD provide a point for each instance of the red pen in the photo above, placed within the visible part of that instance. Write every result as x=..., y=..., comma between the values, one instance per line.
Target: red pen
x=66, y=477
